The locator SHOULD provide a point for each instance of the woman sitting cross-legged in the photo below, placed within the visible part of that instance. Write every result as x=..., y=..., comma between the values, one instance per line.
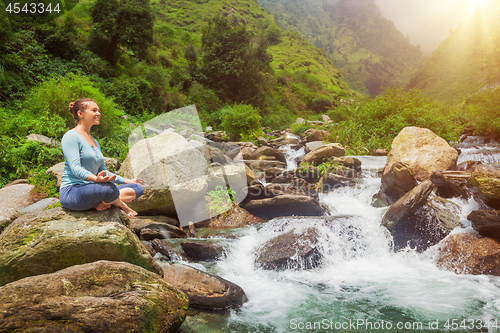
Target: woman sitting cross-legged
x=86, y=183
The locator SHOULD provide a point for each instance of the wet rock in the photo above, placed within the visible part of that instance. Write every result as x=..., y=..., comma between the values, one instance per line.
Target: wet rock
x=203, y=251
x=321, y=154
x=12, y=199
x=423, y=151
x=149, y=228
x=102, y=296
x=451, y=183
x=169, y=250
x=171, y=167
x=467, y=165
x=398, y=181
x=466, y=253
x=427, y=225
x=238, y=218
x=333, y=181
x=486, y=222
x=486, y=178
x=290, y=251
x=285, y=205
x=46, y=242
x=205, y=291
x=407, y=204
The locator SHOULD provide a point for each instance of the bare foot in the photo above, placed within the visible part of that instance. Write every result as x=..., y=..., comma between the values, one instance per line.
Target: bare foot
x=128, y=211
x=102, y=206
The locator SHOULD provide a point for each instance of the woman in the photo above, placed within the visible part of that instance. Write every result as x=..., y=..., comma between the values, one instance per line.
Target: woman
x=86, y=183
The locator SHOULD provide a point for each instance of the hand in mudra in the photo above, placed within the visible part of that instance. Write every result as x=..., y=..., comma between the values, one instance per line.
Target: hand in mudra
x=140, y=182
x=103, y=177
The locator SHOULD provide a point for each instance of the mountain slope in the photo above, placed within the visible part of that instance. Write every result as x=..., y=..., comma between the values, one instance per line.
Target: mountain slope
x=355, y=36
x=468, y=60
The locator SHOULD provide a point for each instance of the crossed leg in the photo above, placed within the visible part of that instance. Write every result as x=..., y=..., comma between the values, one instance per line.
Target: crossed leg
x=127, y=195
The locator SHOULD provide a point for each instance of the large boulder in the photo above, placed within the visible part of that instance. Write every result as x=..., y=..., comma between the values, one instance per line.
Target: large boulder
x=152, y=227
x=486, y=178
x=419, y=220
x=102, y=296
x=176, y=172
x=285, y=205
x=290, y=251
x=203, y=250
x=204, y=290
x=46, y=242
x=423, y=151
x=398, y=181
x=14, y=198
x=467, y=253
x=486, y=222
x=451, y=183
x=322, y=153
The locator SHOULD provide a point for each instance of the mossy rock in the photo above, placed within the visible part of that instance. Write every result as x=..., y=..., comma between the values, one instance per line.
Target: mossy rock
x=487, y=180
x=42, y=243
x=102, y=296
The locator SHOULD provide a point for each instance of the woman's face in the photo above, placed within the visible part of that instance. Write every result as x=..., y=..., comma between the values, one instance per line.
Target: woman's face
x=92, y=114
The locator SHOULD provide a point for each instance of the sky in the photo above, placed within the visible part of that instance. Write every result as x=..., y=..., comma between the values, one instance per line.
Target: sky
x=427, y=22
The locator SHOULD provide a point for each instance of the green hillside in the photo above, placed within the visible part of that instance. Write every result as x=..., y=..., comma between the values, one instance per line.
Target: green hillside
x=467, y=61
x=371, y=51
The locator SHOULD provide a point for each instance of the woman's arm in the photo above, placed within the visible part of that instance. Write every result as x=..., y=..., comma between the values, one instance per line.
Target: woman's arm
x=71, y=151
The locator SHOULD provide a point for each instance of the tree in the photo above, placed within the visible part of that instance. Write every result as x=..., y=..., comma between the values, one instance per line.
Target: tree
x=231, y=65
x=121, y=24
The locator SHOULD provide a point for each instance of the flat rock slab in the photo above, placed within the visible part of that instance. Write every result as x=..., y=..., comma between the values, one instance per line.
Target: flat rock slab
x=46, y=242
x=12, y=199
x=102, y=296
x=466, y=253
x=205, y=291
x=39, y=206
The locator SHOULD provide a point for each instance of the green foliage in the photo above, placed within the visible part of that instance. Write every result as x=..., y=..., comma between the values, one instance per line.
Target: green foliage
x=44, y=185
x=364, y=126
x=220, y=201
x=298, y=129
x=483, y=111
x=242, y=122
x=121, y=24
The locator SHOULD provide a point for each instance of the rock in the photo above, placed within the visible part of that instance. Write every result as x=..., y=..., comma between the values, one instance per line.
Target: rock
x=157, y=227
x=427, y=225
x=325, y=118
x=238, y=218
x=208, y=129
x=17, y=182
x=191, y=230
x=262, y=141
x=205, y=251
x=310, y=146
x=348, y=162
x=486, y=178
x=333, y=181
x=309, y=174
x=300, y=121
x=170, y=251
x=407, y=204
x=262, y=165
x=423, y=151
x=46, y=242
x=313, y=134
x=380, y=199
x=262, y=153
x=212, y=154
x=271, y=173
x=466, y=253
x=379, y=152
x=102, y=296
x=177, y=175
x=290, y=251
x=205, y=291
x=486, y=222
x=285, y=205
x=56, y=171
x=12, y=199
x=321, y=154
x=39, y=206
x=451, y=183
x=467, y=165
x=397, y=181
x=286, y=140
x=43, y=139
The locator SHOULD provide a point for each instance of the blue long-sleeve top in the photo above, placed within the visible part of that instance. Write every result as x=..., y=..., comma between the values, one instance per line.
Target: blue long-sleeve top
x=81, y=160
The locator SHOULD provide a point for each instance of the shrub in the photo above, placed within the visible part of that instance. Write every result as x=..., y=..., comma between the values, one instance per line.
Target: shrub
x=242, y=122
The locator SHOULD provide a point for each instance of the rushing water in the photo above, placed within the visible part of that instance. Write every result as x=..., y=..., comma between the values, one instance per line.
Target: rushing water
x=361, y=286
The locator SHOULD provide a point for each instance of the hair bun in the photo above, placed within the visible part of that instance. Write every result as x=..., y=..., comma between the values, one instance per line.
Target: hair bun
x=70, y=108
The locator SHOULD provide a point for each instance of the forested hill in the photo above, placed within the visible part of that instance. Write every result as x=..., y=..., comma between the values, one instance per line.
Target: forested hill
x=467, y=61
x=355, y=36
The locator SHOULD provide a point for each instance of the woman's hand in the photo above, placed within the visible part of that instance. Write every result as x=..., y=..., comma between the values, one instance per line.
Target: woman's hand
x=103, y=177
x=137, y=181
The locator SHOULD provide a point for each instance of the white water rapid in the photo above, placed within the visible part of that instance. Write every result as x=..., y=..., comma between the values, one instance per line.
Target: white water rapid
x=361, y=286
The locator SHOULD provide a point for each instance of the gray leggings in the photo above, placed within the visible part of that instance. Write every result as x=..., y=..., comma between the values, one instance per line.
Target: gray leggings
x=87, y=196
